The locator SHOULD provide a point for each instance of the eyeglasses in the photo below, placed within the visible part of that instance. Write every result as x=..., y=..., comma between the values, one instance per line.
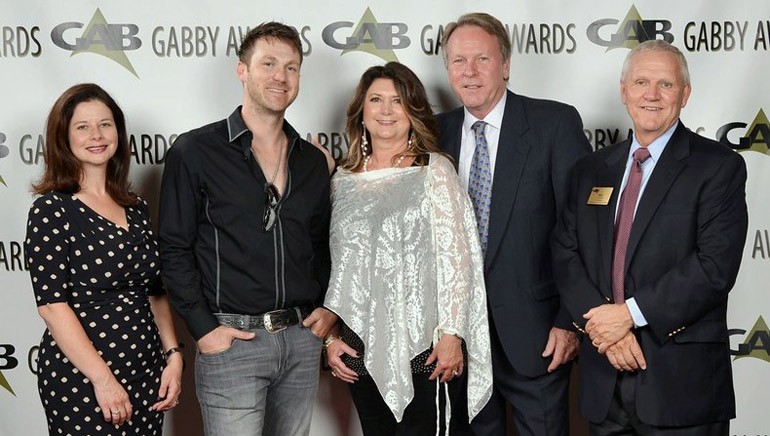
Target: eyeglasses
x=272, y=197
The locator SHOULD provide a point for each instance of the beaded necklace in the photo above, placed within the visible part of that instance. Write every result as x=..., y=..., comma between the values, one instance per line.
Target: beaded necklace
x=395, y=164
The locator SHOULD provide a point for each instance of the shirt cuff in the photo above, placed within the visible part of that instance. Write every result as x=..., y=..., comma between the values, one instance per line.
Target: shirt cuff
x=636, y=313
x=200, y=322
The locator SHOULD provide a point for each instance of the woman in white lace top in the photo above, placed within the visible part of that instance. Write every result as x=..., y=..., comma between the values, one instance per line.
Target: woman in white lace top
x=407, y=277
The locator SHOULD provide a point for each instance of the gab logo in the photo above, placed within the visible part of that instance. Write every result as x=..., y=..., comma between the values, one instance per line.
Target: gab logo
x=369, y=36
x=756, y=138
x=756, y=343
x=7, y=361
x=3, y=153
x=632, y=31
x=99, y=37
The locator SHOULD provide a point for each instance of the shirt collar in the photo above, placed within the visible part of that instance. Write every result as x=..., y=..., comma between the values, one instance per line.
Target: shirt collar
x=235, y=125
x=657, y=146
x=236, y=128
x=494, y=118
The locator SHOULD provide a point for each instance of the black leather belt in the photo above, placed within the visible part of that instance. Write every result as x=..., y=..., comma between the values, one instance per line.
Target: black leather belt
x=273, y=321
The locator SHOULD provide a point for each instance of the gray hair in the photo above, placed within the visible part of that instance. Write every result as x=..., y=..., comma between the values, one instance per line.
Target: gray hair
x=657, y=45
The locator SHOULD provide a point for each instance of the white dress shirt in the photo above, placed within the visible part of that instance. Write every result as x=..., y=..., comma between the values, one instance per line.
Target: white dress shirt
x=494, y=120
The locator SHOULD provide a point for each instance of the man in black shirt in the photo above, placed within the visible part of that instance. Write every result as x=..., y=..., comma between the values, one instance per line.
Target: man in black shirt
x=244, y=219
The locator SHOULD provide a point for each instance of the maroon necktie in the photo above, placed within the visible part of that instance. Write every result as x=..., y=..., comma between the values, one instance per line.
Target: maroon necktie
x=623, y=224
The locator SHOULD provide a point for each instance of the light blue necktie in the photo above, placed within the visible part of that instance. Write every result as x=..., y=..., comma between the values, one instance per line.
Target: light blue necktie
x=480, y=182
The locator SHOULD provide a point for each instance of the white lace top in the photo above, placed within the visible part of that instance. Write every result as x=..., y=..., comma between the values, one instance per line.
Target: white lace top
x=407, y=267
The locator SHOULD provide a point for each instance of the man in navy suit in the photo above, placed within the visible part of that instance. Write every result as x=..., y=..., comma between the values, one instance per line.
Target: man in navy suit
x=521, y=150
x=656, y=225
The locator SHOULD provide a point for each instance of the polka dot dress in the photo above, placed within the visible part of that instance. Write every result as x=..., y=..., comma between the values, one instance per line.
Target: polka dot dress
x=105, y=274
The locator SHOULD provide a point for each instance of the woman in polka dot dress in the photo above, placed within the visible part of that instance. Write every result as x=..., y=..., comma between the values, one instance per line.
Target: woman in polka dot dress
x=95, y=271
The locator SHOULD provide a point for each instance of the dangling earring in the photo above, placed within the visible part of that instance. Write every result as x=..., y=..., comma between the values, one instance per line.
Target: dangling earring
x=364, y=142
x=409, y=143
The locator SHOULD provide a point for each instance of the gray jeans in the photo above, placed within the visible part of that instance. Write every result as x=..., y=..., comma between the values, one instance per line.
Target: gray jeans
x=263, y=386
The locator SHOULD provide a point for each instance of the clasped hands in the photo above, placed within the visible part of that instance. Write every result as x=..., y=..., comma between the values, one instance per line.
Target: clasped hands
x=610, y=328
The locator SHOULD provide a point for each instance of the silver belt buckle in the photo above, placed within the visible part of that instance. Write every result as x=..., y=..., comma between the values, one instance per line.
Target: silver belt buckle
x=268, y=322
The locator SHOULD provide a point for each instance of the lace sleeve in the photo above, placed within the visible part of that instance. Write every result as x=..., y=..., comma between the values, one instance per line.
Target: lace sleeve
x=459, y=263
x=462, y=298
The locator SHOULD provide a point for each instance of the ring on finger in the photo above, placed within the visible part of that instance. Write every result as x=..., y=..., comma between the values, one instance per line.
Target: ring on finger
x=454, y=372
x=114, y=412
x=334, y=374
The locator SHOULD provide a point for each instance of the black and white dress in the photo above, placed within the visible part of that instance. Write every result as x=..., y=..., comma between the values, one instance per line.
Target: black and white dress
x=105, y=273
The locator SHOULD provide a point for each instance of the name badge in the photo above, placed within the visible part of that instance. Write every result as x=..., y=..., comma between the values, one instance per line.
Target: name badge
x=600, y=195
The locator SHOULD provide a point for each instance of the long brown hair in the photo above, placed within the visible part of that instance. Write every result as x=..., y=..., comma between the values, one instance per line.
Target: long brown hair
x=416, y=106
x=63, y=170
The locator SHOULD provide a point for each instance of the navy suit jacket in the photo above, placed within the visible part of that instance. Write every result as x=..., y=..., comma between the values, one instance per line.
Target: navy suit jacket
x=540, y=141
x=683, y=256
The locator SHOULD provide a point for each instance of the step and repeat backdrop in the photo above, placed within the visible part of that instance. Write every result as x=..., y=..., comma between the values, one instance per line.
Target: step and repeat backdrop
x=171, y=66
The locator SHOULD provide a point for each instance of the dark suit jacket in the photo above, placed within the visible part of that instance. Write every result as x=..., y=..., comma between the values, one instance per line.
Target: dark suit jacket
x=540, y=140
x=683, y=256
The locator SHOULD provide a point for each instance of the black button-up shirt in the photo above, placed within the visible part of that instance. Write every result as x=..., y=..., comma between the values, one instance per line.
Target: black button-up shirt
x=215, y=256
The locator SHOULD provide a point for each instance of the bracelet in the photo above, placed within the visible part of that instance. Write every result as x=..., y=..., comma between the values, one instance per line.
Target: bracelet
x=171, y=351
x=457, y=335
x=329, y=340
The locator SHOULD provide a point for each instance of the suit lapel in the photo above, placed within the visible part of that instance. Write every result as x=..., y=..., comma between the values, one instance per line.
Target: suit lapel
x=512, y=150
x=666, y=171
x=451, y=135
x=610, y=175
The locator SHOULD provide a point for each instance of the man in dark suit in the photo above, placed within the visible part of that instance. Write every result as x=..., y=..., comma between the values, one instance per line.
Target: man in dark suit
x=655, y=224
x=514, y=153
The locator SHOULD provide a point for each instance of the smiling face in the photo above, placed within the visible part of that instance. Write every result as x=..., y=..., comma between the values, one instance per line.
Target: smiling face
x=271, y=78
x=478, y=74
x=93, y=137
x=654, y=93
x=384, y=115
